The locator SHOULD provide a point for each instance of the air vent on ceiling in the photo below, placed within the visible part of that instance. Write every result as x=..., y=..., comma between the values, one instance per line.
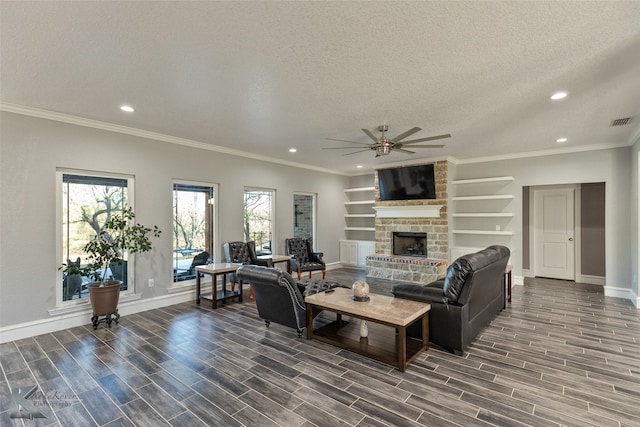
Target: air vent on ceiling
x=620, y=122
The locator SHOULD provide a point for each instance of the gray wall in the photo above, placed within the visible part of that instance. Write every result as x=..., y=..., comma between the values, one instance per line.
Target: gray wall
x=31, y=149
x=612, y=166
x=635, y=218
x=525, y=228
x=592, y=229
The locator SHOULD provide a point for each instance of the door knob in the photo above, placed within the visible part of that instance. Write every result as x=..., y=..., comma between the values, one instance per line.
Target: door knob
x=571, y=239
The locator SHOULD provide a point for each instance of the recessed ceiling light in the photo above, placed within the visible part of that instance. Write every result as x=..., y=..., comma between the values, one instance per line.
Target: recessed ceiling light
x=292, y=150
x=359, y=166
x=558, y=95
x=127, y=108
x=561, y=140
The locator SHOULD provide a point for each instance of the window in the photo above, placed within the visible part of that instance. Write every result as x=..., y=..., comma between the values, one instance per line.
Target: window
x=259, y=219
x=88, y=200
x=304, y=215
x=193, y=227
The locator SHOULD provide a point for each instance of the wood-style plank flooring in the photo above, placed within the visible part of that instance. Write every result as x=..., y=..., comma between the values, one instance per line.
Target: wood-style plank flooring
x=560, y=354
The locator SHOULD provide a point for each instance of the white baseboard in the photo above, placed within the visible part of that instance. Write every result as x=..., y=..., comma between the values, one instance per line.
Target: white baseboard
x=80, y=318
x=625, y=293
x=518, y=280
x=333, y=265
x=526, y=273
x=592, y=280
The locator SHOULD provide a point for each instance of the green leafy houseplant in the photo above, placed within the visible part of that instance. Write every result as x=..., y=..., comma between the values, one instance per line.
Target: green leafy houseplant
x=118, y=236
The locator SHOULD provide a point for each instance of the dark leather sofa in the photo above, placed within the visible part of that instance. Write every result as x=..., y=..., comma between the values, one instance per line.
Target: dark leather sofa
x=465, y=301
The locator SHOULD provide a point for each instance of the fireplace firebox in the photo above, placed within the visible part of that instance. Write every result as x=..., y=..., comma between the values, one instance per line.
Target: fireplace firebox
x=410, y=244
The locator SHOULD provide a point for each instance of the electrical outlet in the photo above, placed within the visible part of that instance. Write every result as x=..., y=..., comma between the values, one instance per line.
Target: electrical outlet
x=151, y=283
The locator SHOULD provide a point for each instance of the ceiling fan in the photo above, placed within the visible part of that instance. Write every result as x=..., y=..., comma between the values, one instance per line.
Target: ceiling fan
x=383, y=145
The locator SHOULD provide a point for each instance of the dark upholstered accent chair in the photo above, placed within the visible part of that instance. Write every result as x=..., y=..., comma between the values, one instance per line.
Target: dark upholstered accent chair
x=465, y=301
x=277, y=296
x=303, y=258
x=72, y=283
x=243, y=253
x=201, y=259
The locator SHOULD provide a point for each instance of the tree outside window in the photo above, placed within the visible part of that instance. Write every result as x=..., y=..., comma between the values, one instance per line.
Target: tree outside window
x=88, y=202
x=259, y=219
x=193, y=228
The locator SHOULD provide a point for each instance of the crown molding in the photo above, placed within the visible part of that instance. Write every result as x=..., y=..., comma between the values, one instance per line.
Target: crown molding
x=541, y=153
x=96, y=124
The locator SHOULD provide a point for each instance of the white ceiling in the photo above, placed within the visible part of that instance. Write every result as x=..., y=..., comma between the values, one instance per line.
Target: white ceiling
x=261, y=77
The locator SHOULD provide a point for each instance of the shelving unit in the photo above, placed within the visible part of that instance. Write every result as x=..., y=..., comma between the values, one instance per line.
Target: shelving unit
x=481, y=210
x=359, y=226
x=360, y=216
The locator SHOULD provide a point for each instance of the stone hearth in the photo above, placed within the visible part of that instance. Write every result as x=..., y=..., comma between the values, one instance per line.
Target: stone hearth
x=408, y=269
x=413, y=216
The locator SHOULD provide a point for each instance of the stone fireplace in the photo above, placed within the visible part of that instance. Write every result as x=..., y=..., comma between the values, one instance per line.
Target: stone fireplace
x=426, y=217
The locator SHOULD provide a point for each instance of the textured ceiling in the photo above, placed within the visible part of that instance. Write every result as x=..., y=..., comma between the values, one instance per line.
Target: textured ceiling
x=261, y=77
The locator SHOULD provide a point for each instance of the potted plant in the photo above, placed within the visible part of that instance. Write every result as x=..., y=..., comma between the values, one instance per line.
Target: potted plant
x=118, y=237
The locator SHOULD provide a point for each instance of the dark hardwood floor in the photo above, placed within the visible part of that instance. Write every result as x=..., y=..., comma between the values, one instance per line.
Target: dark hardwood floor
x=560, y=354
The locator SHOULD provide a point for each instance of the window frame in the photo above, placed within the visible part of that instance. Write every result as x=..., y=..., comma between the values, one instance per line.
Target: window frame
x=314, y=212
x=215, y=240
x=272, y=213
x=60, y=172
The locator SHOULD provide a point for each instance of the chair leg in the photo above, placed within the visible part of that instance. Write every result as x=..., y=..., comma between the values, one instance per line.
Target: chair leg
x=250, y=292
x=309, y=275
x=233, y=286
x=299, y=275
x=324, y=272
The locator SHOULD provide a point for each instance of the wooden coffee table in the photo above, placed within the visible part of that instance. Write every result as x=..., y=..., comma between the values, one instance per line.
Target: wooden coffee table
x=397, y=313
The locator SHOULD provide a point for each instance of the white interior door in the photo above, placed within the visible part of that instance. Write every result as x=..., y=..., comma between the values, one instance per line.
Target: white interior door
x=554, y=233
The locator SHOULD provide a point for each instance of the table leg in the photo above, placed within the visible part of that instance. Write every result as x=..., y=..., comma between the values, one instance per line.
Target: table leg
x=197, y=287
x=240, y=290
x=214, y=291
x=309, y=321
x=401, y=347
x=425, y=331
x=509, y=285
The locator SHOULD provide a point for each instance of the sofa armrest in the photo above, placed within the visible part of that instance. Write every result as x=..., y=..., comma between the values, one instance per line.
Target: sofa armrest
x=423, y=293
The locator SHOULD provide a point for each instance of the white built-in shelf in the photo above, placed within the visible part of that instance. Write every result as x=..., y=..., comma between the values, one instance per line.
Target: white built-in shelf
x=492, y=232
x=361, y=202
x=351, y=190
x=481, y=180
x=483, y=215
x=360, y=228
x=487, y=197
x=360, y=216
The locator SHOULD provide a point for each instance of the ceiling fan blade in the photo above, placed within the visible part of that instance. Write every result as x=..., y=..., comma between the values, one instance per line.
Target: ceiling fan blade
x=356, y=152
x=370, y=135
x=406, y=134
x=344, y=140
x=430, y=138
x=340, y=148
x=427, y=146
x=404, y=151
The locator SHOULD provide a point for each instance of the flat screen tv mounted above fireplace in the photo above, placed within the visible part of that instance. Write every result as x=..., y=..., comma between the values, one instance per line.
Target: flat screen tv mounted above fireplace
x=407, y=183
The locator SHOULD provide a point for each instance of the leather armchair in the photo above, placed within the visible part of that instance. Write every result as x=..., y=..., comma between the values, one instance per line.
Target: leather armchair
x=303, y=258
x=465, y=301
x=277, y=296
x=243, y=253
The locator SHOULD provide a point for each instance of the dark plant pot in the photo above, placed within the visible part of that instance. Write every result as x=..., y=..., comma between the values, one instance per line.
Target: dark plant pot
x=104, y=299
